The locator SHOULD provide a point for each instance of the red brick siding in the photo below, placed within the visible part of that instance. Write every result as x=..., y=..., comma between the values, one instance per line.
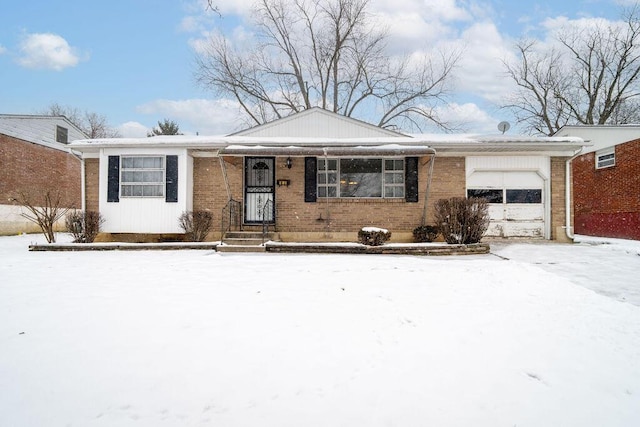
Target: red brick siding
x=34, y=169
x=607, y=201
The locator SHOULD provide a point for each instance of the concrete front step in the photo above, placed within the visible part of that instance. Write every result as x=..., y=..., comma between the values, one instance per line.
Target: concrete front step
x=240, y=248
x=255, y=235
x=244, y=241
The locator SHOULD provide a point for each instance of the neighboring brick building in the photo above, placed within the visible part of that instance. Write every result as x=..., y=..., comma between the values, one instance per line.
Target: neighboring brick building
x=606, y=181
x=319, y=176
x=35, y=158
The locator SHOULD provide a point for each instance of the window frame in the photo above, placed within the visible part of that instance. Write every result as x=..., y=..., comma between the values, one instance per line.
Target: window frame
x=601, y=163
x=507, y=193
x=142, y=184
x=62, y=134
x=328, y=185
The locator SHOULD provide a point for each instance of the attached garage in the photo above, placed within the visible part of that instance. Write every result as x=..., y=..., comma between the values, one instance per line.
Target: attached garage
x=516, y=191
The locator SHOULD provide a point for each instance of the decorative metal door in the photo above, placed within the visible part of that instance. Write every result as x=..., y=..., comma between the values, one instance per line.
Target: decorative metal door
x=259, y=188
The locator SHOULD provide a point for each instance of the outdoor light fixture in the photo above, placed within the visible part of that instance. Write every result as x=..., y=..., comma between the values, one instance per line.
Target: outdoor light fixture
x=288, y=163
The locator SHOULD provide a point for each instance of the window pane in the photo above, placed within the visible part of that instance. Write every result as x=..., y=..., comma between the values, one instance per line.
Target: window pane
x=491, y=195
x=137, y=171
x=605, y=160
x=524, y=196
x=361, y=178
x=332, y=178
x=322, y=178
x=332, y=165
x=322, y=191
x=321, y=164
x=333, y=191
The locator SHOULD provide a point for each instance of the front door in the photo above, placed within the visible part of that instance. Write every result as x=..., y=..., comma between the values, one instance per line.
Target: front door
x=259, y=190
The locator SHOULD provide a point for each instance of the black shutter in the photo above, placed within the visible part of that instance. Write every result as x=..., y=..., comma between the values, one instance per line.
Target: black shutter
x=411, y=179
x=310, y=179
x=113, y=179
x=172, y=179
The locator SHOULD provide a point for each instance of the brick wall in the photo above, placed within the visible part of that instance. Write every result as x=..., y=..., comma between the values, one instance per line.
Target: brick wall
x=558, y=197
x=35, y=169
x=92, y=184
x=607, y=201
x=328, y=217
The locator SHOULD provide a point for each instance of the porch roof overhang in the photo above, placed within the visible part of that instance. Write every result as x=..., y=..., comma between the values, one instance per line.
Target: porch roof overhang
x=328, y=150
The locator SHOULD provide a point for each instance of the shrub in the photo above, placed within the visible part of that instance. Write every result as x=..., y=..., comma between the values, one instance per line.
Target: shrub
x=84, y=225
x=425, y=233
x=196, y=225
x=44, y=209
x=373, y=236
x=462, y=220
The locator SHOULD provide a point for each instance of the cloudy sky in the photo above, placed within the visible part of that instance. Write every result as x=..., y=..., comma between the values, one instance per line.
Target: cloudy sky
x=132, y=60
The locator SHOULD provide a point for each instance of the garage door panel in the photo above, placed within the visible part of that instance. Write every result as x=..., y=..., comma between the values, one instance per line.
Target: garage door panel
x=523, y=229
x=528, y=212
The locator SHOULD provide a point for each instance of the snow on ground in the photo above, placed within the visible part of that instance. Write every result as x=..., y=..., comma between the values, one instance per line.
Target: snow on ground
x=199, y=338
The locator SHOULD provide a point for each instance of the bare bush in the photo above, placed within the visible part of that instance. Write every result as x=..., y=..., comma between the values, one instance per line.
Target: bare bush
x=84, y=226
x=373, y=236
x=425, y=233
x=43, y=209
x=196, y=225
x=462, y=220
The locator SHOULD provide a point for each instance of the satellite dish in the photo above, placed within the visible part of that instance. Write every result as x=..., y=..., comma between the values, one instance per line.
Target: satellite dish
x=503, y=126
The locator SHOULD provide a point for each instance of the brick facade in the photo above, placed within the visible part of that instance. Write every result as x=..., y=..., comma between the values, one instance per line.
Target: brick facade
x=327, y=219
x=34, y=169
x=92, y=184
x=558, y=198
x=607, y=201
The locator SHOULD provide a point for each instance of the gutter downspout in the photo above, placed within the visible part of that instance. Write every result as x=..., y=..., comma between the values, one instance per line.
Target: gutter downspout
x=426, y=193
x=83, y=201
x=568, y=228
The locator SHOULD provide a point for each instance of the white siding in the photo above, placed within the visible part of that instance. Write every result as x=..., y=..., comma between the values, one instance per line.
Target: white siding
x=39, y=129
x=319, y=123
x=145, y=215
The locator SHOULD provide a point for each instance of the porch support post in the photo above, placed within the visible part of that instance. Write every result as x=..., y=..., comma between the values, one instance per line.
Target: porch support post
x=426, y=193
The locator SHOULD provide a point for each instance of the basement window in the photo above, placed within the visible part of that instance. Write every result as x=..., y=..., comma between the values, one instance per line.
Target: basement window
x=605, y=158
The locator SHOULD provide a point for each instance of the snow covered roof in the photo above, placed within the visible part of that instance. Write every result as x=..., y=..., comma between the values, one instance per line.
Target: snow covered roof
x=408, y=145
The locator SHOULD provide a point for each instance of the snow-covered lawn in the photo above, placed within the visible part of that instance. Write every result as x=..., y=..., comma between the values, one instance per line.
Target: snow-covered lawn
x=534, y=335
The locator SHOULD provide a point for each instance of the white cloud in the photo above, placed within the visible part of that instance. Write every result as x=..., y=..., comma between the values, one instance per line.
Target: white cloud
x=2, y=49
x=47, y=51
x=469, y=116
x=481, y=70
x=202, y=116
x=133, y=130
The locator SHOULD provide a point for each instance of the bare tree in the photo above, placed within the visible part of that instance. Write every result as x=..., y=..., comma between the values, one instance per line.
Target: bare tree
x=327, y=53
x=92, y=124
x=43, y=209
x=590, y=78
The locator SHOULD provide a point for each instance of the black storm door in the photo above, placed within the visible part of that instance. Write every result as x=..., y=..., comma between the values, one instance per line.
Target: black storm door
x=259, y=188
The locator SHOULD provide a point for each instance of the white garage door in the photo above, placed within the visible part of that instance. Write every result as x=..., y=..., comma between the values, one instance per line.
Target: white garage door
x=516, y=202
